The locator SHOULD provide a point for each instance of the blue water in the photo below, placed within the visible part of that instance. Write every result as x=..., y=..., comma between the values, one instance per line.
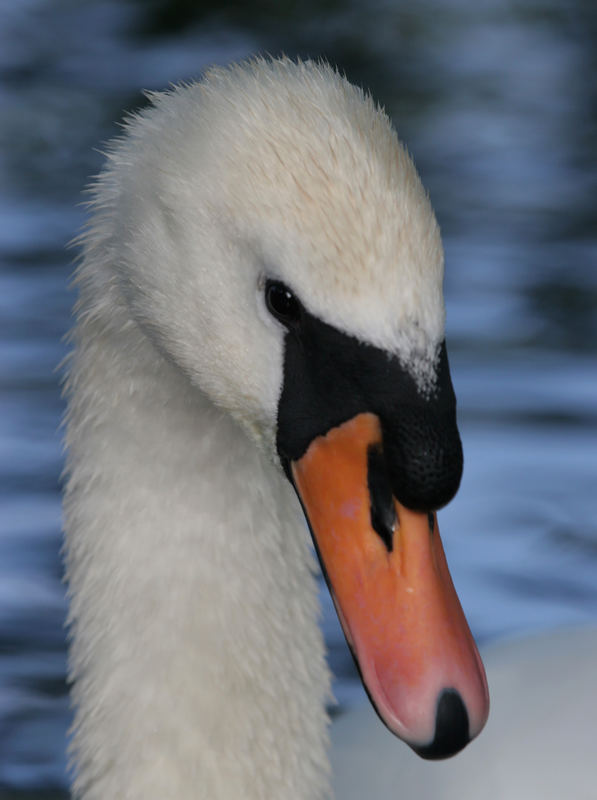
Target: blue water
x=496, y=103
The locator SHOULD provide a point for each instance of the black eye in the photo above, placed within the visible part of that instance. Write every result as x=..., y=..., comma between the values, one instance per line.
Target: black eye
x=281, y=303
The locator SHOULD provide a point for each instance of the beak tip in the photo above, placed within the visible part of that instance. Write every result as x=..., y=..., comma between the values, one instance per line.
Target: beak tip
x=451, y=728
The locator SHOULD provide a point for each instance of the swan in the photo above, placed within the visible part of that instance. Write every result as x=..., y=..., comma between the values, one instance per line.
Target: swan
x=259, y=340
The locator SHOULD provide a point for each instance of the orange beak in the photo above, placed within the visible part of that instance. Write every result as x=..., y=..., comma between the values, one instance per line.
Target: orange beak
x=394, y=596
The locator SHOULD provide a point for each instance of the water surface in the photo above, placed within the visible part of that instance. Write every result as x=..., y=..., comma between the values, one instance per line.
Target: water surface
x=496, y=105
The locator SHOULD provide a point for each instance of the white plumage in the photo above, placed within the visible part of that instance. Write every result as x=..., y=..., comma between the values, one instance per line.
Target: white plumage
x=197, y=662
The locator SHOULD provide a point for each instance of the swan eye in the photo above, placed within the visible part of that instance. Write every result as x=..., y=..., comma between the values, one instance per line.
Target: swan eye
x=281, y=303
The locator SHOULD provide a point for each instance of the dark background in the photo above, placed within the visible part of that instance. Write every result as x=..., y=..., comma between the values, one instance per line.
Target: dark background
x=496, y=101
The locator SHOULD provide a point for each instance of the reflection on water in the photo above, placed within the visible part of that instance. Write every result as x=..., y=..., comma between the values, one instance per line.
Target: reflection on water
x=495, y=104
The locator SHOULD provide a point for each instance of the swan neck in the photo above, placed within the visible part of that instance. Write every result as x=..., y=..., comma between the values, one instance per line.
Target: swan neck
x=197, y=664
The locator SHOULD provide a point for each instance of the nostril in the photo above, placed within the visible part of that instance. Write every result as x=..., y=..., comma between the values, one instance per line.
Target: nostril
x=382, y=508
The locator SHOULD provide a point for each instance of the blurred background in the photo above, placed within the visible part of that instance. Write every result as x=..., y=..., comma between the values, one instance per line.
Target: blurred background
x=497, y=102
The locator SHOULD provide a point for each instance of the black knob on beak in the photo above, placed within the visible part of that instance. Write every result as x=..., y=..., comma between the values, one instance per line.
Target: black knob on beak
x=423, y=456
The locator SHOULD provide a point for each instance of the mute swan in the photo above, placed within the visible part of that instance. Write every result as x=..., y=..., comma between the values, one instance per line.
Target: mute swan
x=260, y=310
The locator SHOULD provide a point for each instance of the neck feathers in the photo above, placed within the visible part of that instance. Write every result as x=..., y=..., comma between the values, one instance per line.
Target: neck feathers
x=197, y=663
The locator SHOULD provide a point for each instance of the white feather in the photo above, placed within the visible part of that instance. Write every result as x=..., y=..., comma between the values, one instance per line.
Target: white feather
x=197, y=662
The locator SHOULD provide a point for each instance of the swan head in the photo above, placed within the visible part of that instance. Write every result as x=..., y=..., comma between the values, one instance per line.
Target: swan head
x=276, y=244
